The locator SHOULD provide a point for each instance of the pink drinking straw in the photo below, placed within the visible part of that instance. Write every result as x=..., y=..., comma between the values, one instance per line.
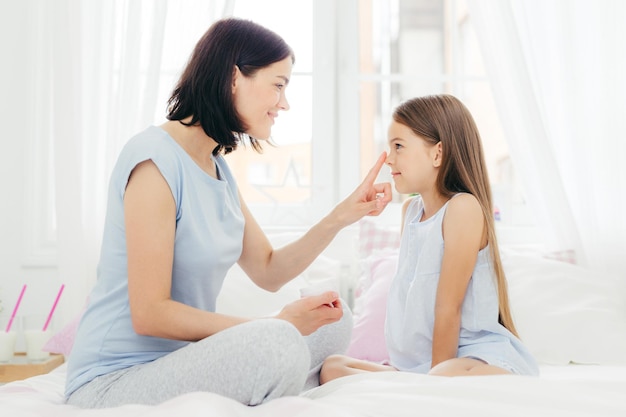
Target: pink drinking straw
x=17, y=305
x=54, y=306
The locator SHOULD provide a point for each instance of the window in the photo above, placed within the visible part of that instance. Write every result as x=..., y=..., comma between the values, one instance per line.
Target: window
x=410, y=48
x=278, y=184
x=370, y=56
x=355, y=61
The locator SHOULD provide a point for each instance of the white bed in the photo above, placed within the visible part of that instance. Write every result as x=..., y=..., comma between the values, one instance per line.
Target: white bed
x=573, y=390
x=573, y=320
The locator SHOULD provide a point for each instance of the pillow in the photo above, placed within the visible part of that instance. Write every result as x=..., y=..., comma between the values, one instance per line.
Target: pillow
x=378, y=252
x=63, y=340
x=241, y=297
x=368, y=339
x=565, y=313
x=374, y=237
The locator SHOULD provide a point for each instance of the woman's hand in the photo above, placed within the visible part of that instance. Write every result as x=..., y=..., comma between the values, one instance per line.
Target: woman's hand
x=368, y=199
x=310, y=313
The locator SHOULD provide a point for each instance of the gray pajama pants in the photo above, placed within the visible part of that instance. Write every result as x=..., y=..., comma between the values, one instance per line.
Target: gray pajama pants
x=252, y=363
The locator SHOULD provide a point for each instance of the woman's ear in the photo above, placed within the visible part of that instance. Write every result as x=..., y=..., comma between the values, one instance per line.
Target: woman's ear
x=437, y=154
x=236, y=77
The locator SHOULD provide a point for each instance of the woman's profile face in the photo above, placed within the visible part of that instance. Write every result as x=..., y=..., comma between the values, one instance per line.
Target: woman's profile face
x=260, y=97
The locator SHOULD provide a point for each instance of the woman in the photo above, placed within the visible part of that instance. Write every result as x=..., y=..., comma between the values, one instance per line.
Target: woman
x=176, y=223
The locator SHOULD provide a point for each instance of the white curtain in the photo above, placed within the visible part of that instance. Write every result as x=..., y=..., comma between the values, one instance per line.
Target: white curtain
x=557, y=70
x=104, y=70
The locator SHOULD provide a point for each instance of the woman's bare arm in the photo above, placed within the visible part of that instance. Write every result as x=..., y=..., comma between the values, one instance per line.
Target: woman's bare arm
x=271, y=268
x=150, y=213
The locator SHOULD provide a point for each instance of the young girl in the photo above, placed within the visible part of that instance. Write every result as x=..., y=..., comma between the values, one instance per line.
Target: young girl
x=448, y=309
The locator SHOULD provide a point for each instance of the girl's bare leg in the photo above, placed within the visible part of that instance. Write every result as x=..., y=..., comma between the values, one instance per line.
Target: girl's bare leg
x=466, y=367
x=336, y=366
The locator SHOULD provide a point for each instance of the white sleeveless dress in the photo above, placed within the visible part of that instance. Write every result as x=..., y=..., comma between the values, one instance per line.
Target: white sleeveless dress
x=411, y=304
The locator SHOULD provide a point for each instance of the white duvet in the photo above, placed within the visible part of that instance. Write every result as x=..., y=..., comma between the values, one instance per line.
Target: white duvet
x=561, y=391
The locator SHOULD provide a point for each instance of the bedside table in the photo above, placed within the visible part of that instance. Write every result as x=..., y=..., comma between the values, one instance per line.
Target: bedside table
x=21, y=368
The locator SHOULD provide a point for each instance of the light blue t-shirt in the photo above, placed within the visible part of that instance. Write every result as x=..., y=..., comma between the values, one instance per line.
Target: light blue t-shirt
x=411, y=300
x=208, y=241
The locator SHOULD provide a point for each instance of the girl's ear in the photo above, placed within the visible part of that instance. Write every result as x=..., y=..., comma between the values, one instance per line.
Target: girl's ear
x=437, y=154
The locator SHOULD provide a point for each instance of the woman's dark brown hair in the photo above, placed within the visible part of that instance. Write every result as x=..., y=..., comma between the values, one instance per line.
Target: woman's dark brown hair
x=204, y=90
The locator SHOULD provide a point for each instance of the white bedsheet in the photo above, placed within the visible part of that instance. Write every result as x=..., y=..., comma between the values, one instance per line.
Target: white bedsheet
x=573, y=390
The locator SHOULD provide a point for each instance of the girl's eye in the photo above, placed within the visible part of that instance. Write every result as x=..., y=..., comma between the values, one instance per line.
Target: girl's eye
x=280, y=86
x=397, y=146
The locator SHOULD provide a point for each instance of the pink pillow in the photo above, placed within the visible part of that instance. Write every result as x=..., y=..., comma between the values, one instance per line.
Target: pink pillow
x=368, y=334
x=373, y=237
x=63, y=340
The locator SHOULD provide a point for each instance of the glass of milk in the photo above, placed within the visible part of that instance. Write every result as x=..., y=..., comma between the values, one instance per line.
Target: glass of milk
x=35, y=337
x=7, y=340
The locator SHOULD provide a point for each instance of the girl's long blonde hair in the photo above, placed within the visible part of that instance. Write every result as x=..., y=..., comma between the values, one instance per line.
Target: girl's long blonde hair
x=443, y=118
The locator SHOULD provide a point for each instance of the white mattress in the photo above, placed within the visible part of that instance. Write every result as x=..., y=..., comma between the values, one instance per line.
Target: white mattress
x=573, y=390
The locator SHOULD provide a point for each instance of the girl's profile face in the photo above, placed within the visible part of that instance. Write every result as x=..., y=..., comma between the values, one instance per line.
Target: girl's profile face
x=260, y=97
x=412, y=160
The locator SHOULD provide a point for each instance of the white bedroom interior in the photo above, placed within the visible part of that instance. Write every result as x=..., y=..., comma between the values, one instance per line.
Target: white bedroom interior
x=544, y=80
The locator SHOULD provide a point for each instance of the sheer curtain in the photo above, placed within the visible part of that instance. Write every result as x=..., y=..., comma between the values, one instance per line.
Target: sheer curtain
x=107, y=68
x=557, y=70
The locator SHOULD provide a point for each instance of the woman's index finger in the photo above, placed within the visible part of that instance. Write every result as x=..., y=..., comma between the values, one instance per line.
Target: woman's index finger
x=373, y=172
